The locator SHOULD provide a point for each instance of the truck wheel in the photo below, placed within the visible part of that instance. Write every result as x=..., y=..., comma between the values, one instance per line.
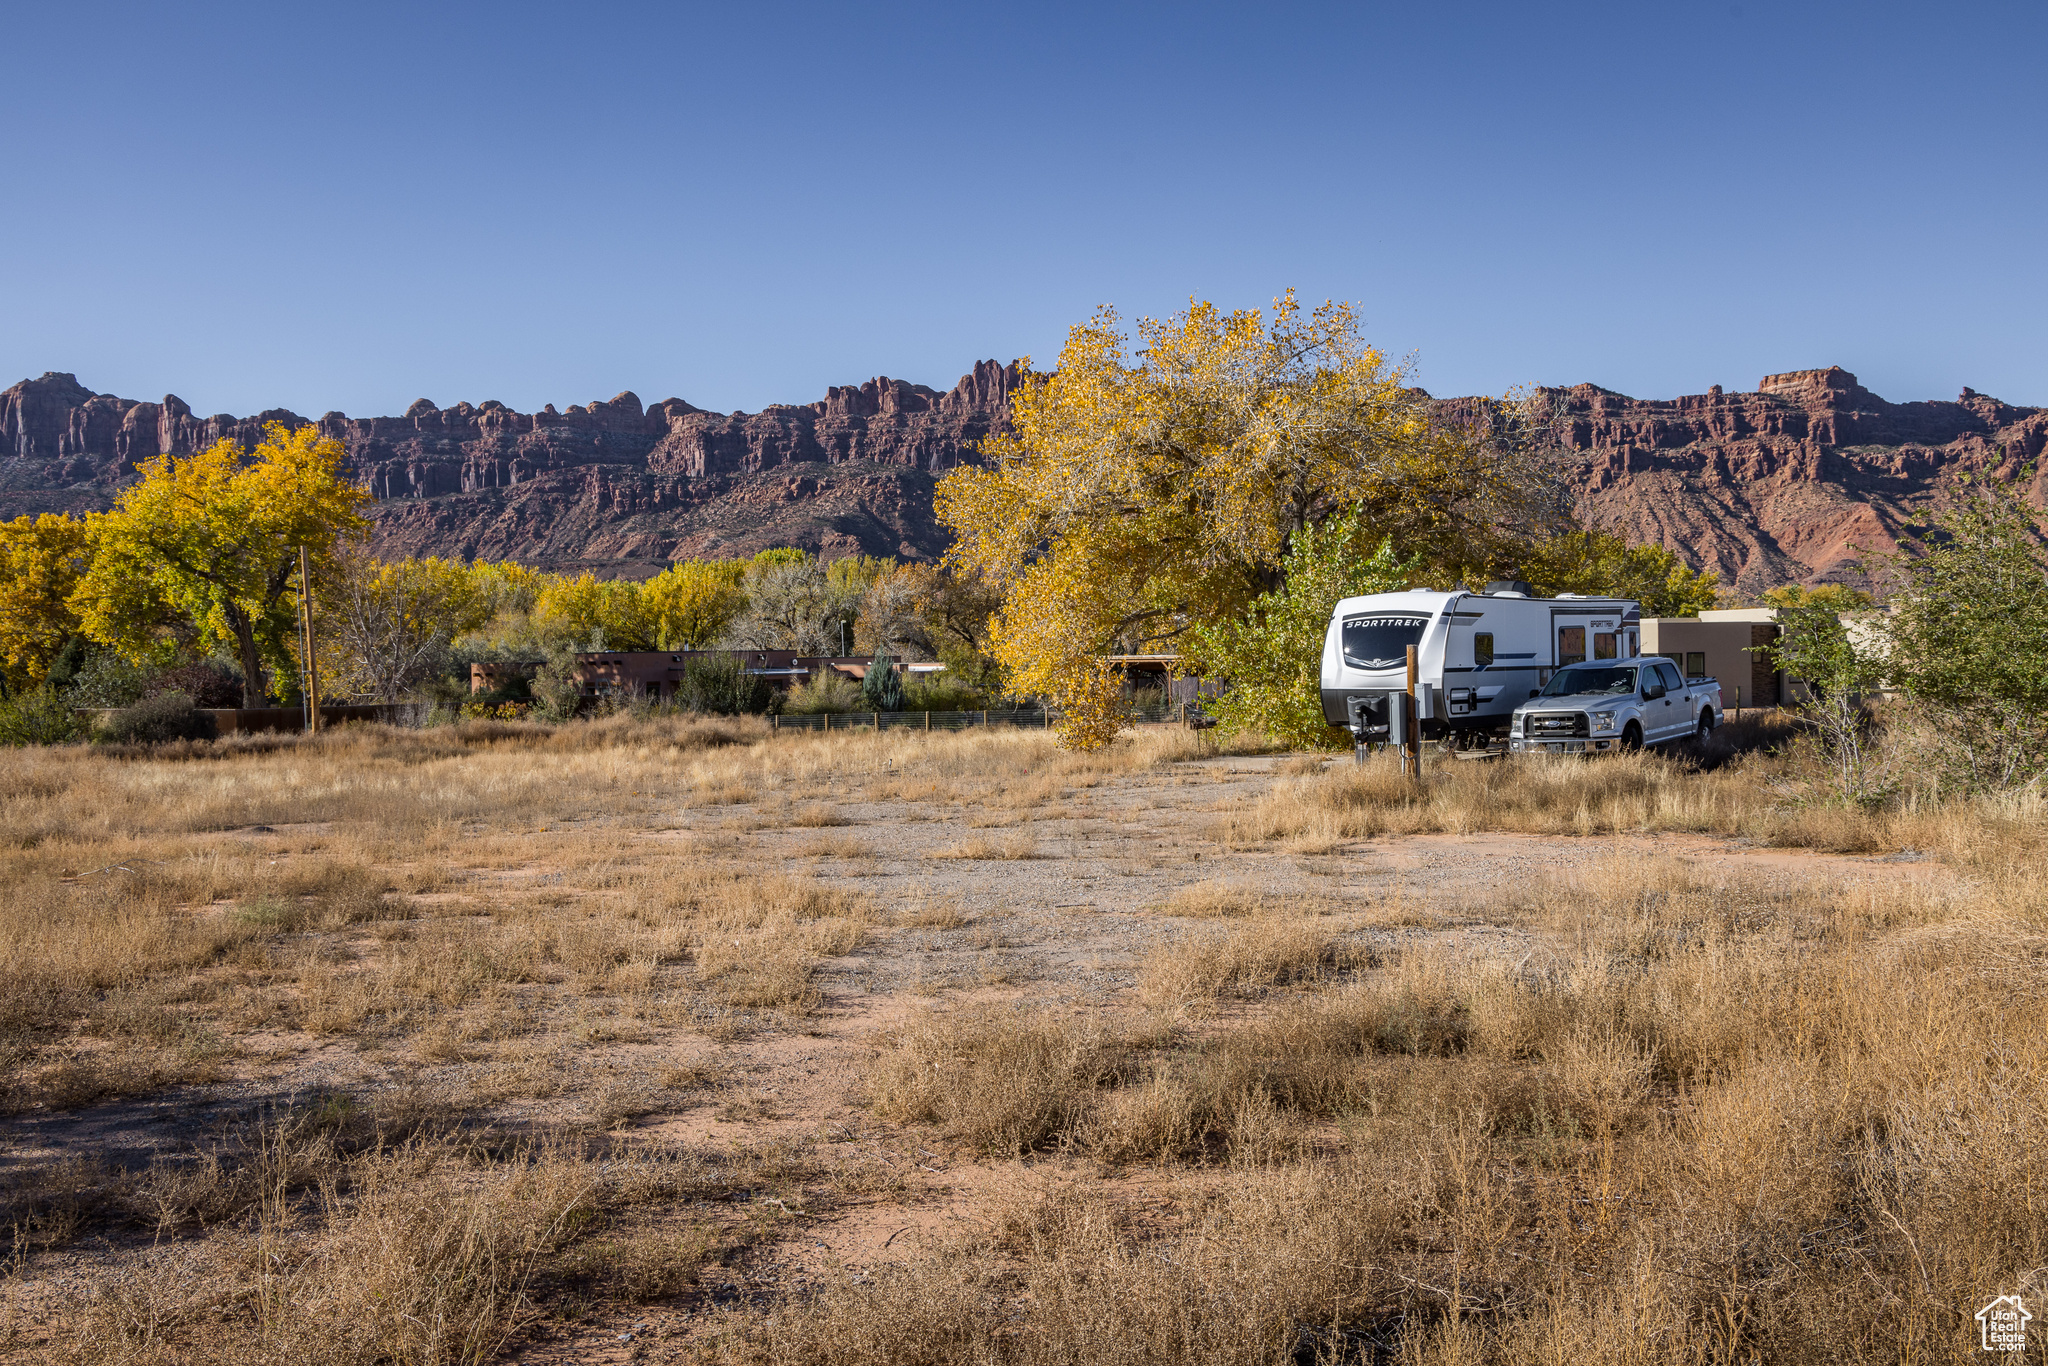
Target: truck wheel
x=1706, y=726
x=1631, y=738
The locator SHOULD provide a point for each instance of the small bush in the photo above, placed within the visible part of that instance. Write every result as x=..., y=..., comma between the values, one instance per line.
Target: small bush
x=719, y=685
x=157, y=720
x=557, y=696
x=827, y=691
x=107, y=680
x=208, y=683
x=939, y=692
x=41, y=717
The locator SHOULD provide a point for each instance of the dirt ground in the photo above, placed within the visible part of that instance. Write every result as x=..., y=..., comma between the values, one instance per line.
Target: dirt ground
x=1054, y=899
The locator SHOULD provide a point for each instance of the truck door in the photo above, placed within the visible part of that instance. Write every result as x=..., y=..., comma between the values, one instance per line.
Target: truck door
x=1672, y=716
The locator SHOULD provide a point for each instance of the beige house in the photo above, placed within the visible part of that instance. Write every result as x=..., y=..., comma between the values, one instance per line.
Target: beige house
x=1727, y=645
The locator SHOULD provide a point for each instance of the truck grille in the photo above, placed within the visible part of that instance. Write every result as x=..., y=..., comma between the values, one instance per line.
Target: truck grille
x=1555, y=725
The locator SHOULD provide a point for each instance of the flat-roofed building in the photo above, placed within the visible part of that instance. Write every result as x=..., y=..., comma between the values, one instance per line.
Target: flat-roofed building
x=1727, y=645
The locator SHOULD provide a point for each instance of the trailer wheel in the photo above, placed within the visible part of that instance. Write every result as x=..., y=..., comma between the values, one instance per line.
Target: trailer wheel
x=1631, y=737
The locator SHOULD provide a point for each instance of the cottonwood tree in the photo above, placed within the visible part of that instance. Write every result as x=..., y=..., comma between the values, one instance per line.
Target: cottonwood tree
x=385, y=627
x=41, y=561
x=589, y=613
x=1144, y=493
x=1603, y=564
x=795, y=604
x=208, y=544
x=691, y=604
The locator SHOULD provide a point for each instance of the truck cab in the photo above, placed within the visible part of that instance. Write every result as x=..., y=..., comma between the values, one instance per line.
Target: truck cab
x=1615, y=705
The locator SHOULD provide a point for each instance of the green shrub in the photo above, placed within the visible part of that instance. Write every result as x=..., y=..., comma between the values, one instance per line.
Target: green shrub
x=157, y=720
x=721, y=686
x=107, y=680
x=41, y=717
x=940, y=692
x=827, y=690
x=557, y=696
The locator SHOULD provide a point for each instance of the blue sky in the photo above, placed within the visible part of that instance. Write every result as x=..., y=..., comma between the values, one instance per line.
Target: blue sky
x=351, y=207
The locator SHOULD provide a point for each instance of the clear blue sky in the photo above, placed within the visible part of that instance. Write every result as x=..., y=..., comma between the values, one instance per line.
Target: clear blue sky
x=353, y=206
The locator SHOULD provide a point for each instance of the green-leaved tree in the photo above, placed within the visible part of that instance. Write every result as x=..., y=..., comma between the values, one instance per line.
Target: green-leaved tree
x=1968, y=636
x=1271, y=655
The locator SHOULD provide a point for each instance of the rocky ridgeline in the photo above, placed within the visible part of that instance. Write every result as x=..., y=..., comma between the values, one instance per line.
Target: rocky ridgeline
x=1777, y=485
x=611, y=481
x=1790, y=483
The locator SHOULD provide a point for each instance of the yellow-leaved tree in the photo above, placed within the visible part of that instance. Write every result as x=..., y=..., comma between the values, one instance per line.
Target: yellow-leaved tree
x=589, y=613
x=692, y=602
x=386, y=625
x=206, y=548
x=1142, y=494
x=41, y=560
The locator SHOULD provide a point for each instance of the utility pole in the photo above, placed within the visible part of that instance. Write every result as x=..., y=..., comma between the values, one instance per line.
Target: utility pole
x=1411, y=732
x=312, y=670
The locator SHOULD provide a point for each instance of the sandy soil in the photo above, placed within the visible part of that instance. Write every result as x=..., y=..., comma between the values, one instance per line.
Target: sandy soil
x=1060, y=910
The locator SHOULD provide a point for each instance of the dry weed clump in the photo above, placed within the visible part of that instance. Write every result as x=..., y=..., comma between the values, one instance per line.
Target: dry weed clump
x=1009, y=848
x=323, y=1248
x=1547, y=794
x=1719, y=1118
x=1191, y=969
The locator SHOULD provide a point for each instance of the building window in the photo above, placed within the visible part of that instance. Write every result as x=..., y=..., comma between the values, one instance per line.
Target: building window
x=1571, y=645
x=1603, y=645
x=1695, y=664
x=1482, y=648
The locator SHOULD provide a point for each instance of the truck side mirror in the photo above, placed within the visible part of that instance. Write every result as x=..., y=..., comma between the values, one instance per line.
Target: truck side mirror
x=1653, y=691
x=1534, y=691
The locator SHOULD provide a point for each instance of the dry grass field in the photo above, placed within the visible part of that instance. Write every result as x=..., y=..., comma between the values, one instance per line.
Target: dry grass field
x=671, y=1041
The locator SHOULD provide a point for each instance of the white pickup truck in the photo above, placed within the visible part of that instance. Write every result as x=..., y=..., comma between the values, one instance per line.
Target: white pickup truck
x=1615, y=704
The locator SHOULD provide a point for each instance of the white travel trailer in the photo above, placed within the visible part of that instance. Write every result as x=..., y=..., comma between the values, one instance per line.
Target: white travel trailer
x=1478, y=655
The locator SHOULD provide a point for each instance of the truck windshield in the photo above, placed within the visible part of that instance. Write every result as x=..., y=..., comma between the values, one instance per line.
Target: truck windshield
x=1572, y=682
x=1381, y=642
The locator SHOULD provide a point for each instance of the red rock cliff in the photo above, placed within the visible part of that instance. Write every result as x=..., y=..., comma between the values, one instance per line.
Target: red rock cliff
x=1775, y=486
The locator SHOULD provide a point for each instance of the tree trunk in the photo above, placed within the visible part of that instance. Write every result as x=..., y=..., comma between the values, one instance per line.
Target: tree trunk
x=252, y=660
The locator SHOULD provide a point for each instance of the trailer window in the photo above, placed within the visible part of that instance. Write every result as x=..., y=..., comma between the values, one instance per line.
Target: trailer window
x=1603, y=645
x=1482, y=648
x=1695, y=663
x=1571, y=645
x=1381, y=642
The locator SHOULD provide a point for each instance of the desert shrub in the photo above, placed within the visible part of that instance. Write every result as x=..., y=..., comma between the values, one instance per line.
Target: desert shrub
x=157, y=720
x=925, y=692
x=208, y=682
x=1968, y=639
x=826, y=690
x=105, y=679
x=41, y=717
x=556, y=693
x=720, y=685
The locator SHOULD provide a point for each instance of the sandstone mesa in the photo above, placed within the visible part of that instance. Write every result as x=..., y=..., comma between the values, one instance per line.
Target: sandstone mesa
x=1779, y=485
